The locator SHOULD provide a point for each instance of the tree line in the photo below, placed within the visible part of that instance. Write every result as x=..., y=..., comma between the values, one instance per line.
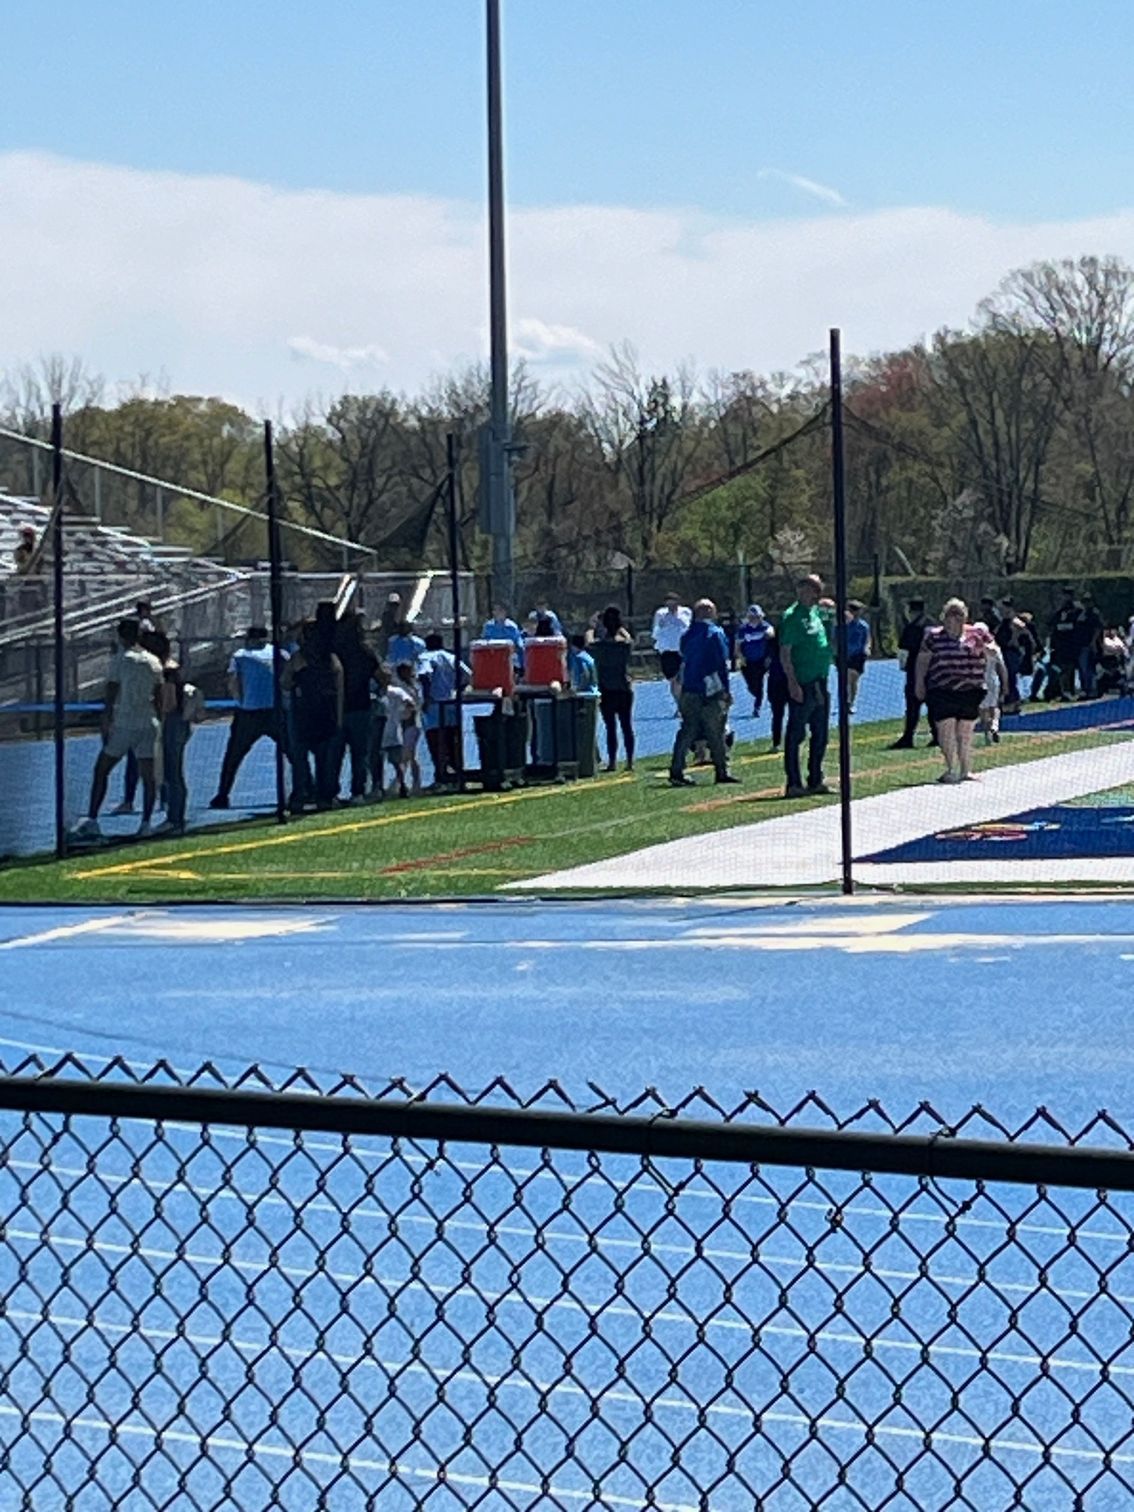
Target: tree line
x=1001, y=448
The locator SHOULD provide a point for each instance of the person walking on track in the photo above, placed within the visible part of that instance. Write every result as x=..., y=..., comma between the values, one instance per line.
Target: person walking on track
x=951, y=676
x=756, y=642
x=909, y=648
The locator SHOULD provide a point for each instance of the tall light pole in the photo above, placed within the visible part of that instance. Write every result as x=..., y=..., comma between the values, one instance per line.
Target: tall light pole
x=498, y=504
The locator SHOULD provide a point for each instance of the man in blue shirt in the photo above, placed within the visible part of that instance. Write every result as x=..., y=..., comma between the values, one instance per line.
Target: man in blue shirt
x=756, y=642
x=705, y=697
x=252, y=683
x=500, y=627
x=542, y=612
x=404, y=646
x=438, y=671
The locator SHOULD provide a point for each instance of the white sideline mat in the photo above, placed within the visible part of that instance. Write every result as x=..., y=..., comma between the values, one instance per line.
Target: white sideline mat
x=802, y=849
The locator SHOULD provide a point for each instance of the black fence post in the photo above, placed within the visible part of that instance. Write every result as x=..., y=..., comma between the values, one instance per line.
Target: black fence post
x=57, y=627
x=838, y=481
x=275, y=595
x=630, y=594
x=453, y=452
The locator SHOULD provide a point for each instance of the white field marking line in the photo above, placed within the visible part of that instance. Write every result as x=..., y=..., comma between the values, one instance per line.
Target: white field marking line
x=214, y=1443
x=354, y=1462
x=517, y=1175
x=608, y=1392
x=65, y=932
x=881, y=944
x=44, y=1237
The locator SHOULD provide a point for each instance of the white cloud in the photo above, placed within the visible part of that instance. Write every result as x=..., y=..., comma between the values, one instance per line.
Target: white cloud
x=807, y=186
x=208, y=280
x=538, y=342
x=344, y=358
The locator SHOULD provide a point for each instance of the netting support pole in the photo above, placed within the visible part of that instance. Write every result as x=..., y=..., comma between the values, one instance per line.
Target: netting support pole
x=453, y=451
x=842, y=593
x=275, y=595
x=57, y=625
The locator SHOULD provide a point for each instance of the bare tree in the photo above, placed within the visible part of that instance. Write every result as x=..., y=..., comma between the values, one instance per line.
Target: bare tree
x=649, y=432
x=1085, y=309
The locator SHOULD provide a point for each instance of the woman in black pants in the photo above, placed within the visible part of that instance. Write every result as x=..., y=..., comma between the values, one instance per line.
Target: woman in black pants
x=610, y=645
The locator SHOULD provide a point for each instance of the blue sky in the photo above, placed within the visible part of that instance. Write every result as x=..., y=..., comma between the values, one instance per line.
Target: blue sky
x=1009, y=115
x=1005, y=107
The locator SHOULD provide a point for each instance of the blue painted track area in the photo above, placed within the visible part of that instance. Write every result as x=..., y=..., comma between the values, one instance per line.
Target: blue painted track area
x=330, y=1322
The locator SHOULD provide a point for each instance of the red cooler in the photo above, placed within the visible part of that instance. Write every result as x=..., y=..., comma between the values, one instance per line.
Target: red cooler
x=545, y=661
x=493, y=666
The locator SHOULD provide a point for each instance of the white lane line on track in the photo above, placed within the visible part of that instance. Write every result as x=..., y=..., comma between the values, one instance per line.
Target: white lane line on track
x=790, y=1263
x=607, y=1391
x=355, y=1462
x=66, y=932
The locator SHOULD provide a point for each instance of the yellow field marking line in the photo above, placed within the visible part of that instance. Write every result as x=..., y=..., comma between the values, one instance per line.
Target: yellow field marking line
x=330, y=876
x=297, y=836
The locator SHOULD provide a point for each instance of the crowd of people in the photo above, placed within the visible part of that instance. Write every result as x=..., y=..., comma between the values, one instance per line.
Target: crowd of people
x=338, y=690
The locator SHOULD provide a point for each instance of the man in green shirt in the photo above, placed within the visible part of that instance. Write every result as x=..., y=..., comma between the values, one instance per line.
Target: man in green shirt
x=806, y=654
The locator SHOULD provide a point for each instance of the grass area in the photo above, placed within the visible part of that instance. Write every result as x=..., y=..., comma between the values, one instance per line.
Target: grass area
x=478, y=842
x=1118, y=797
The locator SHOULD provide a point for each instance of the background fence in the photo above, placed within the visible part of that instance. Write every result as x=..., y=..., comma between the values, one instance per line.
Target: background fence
x=254, y=1297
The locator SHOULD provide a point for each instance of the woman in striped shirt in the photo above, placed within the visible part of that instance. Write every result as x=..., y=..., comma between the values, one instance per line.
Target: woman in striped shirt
x=950, y=677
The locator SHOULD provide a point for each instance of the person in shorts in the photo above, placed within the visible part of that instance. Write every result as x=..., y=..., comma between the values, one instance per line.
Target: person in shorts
x=131, y=721
x=670, y=623
x=951, y=672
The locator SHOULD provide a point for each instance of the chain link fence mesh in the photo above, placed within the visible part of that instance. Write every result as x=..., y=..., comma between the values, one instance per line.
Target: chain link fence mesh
x=240, y=1316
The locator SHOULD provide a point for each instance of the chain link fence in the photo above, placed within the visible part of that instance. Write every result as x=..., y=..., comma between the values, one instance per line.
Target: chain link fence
x=444, y=1299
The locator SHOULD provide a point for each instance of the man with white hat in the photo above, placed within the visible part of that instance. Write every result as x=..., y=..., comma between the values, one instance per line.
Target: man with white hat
x=756, y=642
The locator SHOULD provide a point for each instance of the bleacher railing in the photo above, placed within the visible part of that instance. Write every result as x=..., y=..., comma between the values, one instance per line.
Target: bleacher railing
x=216, y=1297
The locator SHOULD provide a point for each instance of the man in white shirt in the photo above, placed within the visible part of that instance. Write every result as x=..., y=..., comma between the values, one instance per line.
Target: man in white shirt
x=130, y=722
x=670, y=623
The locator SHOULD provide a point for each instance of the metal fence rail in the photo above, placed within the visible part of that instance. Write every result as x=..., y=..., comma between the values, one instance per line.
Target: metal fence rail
x=218, y=1298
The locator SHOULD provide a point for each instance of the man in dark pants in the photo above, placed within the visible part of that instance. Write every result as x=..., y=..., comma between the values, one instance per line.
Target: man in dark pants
x=252, y=682
x=1066, y=632
x=909, y=644
x=806, y=653
x=705, y=695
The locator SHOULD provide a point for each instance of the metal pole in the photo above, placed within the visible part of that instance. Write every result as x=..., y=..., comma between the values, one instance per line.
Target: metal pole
x=452, y=444
x=275, y=583
x=630, y=593
x=502, y=506
x=159, y=510
x=838, y=481
x=98, y=494
x=57, y=625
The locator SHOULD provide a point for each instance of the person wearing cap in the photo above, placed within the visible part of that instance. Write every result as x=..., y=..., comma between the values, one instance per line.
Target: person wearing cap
x=252, y=683
x=806, y=654
x=756, y=642
x=670, y=623
x=910, y=643
x=858, y=648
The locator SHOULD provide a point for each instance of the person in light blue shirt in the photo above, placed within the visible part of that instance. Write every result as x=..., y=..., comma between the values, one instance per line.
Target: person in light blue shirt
x=405, y=646
x=500, y=627
x=252, y=683
x=581, y=666
x=438, y=671
x=858, y=648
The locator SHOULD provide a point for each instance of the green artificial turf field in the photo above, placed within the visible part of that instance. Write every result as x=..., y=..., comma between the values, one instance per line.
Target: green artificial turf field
x=477, y=842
